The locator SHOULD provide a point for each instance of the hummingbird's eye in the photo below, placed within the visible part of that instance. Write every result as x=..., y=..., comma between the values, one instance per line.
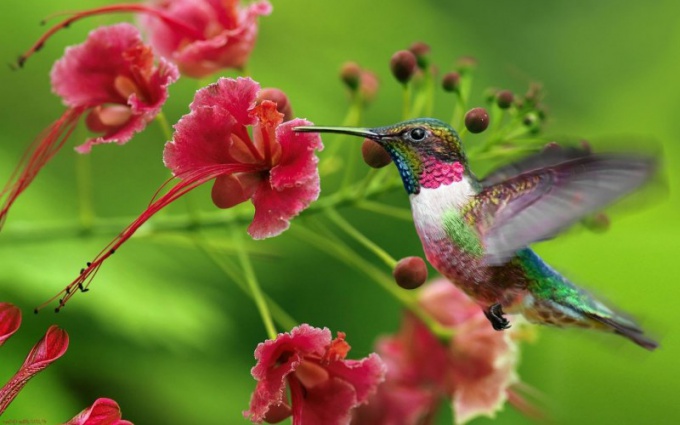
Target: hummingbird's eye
x=417, y=134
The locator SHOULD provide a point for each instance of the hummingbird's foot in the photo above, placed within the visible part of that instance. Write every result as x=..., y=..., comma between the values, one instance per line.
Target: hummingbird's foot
x=495, y=315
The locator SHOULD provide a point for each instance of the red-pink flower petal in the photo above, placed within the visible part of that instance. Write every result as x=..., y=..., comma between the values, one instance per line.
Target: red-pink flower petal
x=298, y=163
x=482, y=361
x=330, y=403
x=483, y=370
x=233, y=189
x=272, y=368
x=52, y=346
x=293, y=184
x=103, y=411
x=208, y=134
x=229, y=34
x=397, y=404
x=113, y=66
x=324, y=386
x=10, y=320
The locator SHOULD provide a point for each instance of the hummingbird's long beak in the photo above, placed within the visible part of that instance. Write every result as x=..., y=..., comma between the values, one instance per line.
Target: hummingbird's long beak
x=353, y=131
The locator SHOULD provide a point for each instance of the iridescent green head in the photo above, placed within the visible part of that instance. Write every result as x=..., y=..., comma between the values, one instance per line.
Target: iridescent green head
x=426, y=151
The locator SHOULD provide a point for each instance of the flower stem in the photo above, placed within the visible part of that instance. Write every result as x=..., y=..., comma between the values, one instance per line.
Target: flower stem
x=183, y=222
x=253, y=285
x=86, y=213
x=361, y=238
x=406, y=102
x=224, y=263
x=340, y=250
x=162, y=121
x=388, y=210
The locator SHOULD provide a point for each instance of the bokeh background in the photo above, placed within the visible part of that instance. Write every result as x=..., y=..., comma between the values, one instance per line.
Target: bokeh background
x=167, y=334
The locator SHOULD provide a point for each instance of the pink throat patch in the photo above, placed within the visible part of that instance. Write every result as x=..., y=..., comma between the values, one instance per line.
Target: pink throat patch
x=437, y=173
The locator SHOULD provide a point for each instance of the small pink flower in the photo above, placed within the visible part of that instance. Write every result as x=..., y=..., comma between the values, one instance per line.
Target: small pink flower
x=276, y=168
x=111, y=78
x=476, y=371
x=52, y=346
x=103, y=411
x=324, y=387
x=225, y=33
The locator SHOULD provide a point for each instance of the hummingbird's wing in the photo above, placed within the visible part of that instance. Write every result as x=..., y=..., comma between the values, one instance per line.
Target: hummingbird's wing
x=549, y=156
x=537, y=204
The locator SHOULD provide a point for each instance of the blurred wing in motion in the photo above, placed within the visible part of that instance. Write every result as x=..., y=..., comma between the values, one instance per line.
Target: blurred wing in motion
x=538, y=203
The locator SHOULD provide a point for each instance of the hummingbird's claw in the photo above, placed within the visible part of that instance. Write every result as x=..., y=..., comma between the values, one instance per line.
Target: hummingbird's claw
x=495, y=315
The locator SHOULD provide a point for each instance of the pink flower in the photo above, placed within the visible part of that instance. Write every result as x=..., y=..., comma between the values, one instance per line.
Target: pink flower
x=200, y=36
x=111, y=78
x=104, y=411
x=52, y=346
x=276, y=168
x=112, y=75
x=324, y=387
x=476, y=371
x=225, y=33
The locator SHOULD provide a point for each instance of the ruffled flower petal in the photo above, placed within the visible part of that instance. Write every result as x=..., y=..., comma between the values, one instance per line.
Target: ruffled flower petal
x=324, y=386
x=229, y=34
x=475, y=371
x=113, y=67
x=482, y=361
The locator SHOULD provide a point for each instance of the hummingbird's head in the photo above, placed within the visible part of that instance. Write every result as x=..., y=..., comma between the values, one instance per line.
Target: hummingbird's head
x=427, y=152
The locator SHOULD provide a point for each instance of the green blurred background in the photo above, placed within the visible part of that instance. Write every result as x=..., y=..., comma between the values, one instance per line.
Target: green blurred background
x=166, y=334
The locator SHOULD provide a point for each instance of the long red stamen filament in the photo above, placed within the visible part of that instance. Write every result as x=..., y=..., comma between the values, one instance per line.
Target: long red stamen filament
x=189, y=181
x=122, y=8
x=43, y=148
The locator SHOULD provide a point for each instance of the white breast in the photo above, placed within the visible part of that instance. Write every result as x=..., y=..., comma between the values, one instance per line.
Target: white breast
x=430, y=205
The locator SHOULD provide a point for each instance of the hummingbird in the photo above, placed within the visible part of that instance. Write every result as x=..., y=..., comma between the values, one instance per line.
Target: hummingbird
x=477, y=233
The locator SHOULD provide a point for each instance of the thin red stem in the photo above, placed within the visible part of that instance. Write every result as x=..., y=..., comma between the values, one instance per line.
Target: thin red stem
x=41, y=151
x=121, y=8
x=189, y=181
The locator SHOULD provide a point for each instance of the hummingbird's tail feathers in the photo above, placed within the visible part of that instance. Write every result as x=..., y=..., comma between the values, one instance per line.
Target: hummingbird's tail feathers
x=626, y=328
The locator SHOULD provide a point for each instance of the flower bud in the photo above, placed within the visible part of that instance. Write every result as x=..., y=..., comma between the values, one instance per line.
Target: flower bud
x=530, y=120
x=410, y=272
x=476, y=120
x=466, y=64
x=586, y=147
x=504, y=99
x=368, y=85
x=350, y=74
x=534, y=93
x=597, y=223
x=451, y=82
x=420, y=50
x=374, y=154
x=279, y=97
x=403, y=66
